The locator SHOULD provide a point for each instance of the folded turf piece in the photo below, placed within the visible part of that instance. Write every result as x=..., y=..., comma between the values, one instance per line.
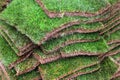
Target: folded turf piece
x=116, y=57
x=46, y=58
x=58, y=68
x=90, y=49
x=32, y=23
x=81, y=71
x=16, y=39
x=26, y=66
x=21, y=59
x=106, y=71
x=39, y=55
x=114, y=37
x=65, y=39
x=112, y=23
x=49, y=58
x=8, y=56
x=115, y=49
x=9, y=75
x=9, y=41
x=82, y=48
x=90, y=27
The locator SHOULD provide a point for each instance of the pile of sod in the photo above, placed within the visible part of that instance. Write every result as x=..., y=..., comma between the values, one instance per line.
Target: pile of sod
x=60, y=40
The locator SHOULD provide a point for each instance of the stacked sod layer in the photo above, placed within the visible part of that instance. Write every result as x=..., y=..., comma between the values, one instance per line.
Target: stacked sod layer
x=62, y=41
x=42, y=30
x=8, y=56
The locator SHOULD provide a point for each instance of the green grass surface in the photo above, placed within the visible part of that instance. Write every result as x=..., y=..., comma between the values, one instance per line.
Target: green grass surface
x=25, y=15
x=95, y=47
x=16, y=40
x=16, y=37
x=49, y=45
x=113, y=36
x=9, y=41
x=88, y=69
x=7, y=56
x=113, y=1
x=28, y=63
x=88, y=47
x=20, y=40
x=108, y=68
x=58, y=68
x=30, y=20
x=76, y=5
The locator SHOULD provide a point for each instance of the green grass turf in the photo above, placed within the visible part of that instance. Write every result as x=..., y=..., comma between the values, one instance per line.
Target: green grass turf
x=28, y=63
x=45, y=58
x=95, y=47
x=58, y=68
x=19, y=40
x=114, y=36
x=9, y=41
x=108, y=68
x=16, y=37
x=88, y=69
x=76, y=5
x=116, y=57
x=25, y=15
x=7, y=56
x=113, y=1
x=51, y=44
